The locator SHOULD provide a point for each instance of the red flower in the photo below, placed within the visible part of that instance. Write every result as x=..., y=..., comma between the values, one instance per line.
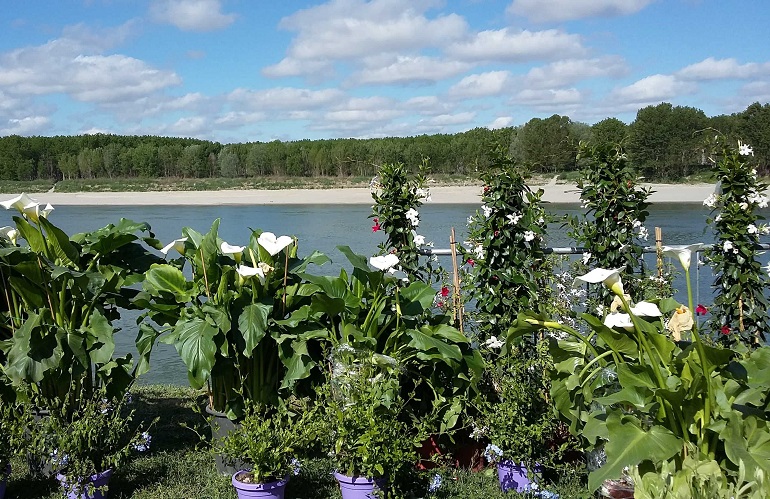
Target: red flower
x=701, y=310
x=486, y=189
x=470, y=262
x=376, y=226
x=725, y=329
x=497, y=233
x=440, y=304
x=444, y=291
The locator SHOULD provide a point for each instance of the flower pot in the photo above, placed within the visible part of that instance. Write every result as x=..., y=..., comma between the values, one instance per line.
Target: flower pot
x=4, y=474
x=515, y=476
x=221, y=426
x=357, y=487
x=617, y=489
x=269, y=490
x=95, y=488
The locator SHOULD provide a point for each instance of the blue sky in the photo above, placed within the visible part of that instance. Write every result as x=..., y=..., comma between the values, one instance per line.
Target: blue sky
x=259, y=70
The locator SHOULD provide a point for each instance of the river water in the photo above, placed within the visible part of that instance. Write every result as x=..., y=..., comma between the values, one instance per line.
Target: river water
x=323, y=227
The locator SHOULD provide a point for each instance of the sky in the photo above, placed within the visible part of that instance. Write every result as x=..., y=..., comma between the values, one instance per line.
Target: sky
x=237, y=71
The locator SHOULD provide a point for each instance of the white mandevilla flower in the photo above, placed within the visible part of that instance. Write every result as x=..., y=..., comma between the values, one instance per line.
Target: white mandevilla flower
x=610, y=278
x=479, y=251
x=418, y=239
x=682, y=252
x=273, y=244
x=711, y=201
x=727, y=246
x=744, y=206
x=529, y=235
x=177, y=244
x=586, y=258
x=487, y=210
x=514, y=218
x=751, y=229
x=493, y=343
x=745, y=149
x=413, y=217
x=384, y=262
x=10, y=233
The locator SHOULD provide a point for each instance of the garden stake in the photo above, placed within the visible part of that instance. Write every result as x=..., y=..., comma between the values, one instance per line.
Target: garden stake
x=457, y=312
x=285, y=277
x=659, y=249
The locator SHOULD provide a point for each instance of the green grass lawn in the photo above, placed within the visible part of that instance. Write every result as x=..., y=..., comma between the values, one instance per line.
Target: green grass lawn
x=179, y=466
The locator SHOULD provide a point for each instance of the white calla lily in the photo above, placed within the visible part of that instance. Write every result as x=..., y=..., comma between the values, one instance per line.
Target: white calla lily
x=19, y=202
x=273, y=244
x=682, y=252
x=33, y=212
x=646, y=309
x=10, y=233
x=235, y=251
x=617, y=319
x=384, y=262
x=248, y=272
x=610, y=278
x=177, y=244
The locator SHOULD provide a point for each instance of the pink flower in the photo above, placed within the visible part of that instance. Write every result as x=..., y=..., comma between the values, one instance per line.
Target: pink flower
x=470, y=262
x=701, y=310
x=376, y=226
x=444, y=292
x=725, y=330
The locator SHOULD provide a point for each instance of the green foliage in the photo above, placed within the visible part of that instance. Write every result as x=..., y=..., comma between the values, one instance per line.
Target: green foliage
x=740, y=304
x=60, y=300
x=507, y=267
x=241, y=320
x=14, y=437
x=616, y=209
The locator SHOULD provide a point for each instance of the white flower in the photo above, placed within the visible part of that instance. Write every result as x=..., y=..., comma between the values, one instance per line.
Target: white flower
x=479, y=252
x=470, y=220
x=177, y=244
x=493, y=343
x=745, y=149
x=424, y=194
x=413, y=217
x=235, y=251
x=600, y=309
x=19, y=202
x=418, y=239
x=10, y=233
x=487, y=210
x=610, y=278
x=646, y=309
x=33, y=211
x=384, y=262
x=751, y=229
x=247, y=272
x=711, y=201
x=643, y=233
x=617, y=319
x=682, y=252
x=514, y=219
x=727, y=246
x=586, y=258
x=529, y=235
x=744, y=206
x=272, y=244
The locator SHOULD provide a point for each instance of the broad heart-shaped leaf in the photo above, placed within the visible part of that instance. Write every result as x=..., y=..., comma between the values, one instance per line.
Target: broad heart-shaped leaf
x=357, y=261
x=100, y=343
x=194, y=341
x=167, y=279
x=145, y=340
x=60, y=244
x=429, y=346
x=111, y=237
x=315, y=258
x=629, y=444
x=747, y=439
x=755, y=370
x=35, y=349
x=416, y=298
x=252, y=325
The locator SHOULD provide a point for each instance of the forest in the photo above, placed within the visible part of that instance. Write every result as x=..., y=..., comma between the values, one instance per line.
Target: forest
x=664, y=142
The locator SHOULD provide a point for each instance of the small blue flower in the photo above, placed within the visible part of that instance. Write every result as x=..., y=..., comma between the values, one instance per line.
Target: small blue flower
x=296, y=466
x=59, y=461
x=493, y=453
x=435, y=483
x=144, y=445
x=547, y=494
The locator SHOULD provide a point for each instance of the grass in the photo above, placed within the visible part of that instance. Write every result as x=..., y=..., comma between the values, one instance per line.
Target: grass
x=179, y=467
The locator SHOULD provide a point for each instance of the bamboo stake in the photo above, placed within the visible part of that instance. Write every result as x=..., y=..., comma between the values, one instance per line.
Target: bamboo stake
x=659, y=249
x=457, y=310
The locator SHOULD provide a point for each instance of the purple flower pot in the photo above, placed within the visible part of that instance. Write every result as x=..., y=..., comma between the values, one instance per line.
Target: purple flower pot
x=268, y=490
x=95, y=488
x=515, y=476
x=4, y=474
x=357, y=487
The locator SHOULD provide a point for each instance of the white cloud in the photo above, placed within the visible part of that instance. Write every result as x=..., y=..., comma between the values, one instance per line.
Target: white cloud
x=365, y=109
x=723, y=69
x=549, y=98
x=296, y=67
x=284, y=98
x=443, y=120
x=29, y=125
x=501, y=122
x=508, y=45
x=570, y=71
x=565, y=10
x=407, y=69
x=652, y=89
x=481, y=85
x=429, y=105
x=191, y=15
x=188, y=127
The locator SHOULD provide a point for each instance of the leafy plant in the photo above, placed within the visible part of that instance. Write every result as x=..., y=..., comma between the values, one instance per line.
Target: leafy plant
x=740, y=304
x=60, y=298
x=240, y=321
x=14, y=440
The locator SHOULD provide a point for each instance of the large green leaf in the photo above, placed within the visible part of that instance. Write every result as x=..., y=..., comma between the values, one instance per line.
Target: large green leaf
x=416, y=298
x=194, y=341
x=629, y=444
x=35, y=349
x=145, y=341
x=357, y=261
x=166, y=278
x=747, y=439
x=59, y=242
x=252, y=325
x=429, y=346
x=101, y=342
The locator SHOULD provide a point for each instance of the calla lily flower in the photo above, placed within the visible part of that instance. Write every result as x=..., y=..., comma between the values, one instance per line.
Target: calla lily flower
x=235, y=251
x=680, y=321
x=273, y=244
x=248, y=272
x=265, y=268
x=177, y=244
x=384, y=262
x=10, y=233
x=617, y=302
x=19, y=203
x=610, y=278
x=646, y=309
x=617, y=319
x=33, y=211
x=682, y=252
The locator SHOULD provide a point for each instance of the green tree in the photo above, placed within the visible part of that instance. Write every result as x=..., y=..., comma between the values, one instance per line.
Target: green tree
x=546, y=145
x=609, y=131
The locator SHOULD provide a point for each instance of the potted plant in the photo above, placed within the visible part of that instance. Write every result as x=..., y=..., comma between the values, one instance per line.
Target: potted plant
x=513, y=413
x=372, y=440
x=265, y=445
x=86, y=443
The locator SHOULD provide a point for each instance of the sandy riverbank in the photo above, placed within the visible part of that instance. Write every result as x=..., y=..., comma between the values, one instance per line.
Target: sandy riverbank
x=554, y=193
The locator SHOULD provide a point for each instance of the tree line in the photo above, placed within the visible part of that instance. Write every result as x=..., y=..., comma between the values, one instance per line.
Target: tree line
x=664, y=142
